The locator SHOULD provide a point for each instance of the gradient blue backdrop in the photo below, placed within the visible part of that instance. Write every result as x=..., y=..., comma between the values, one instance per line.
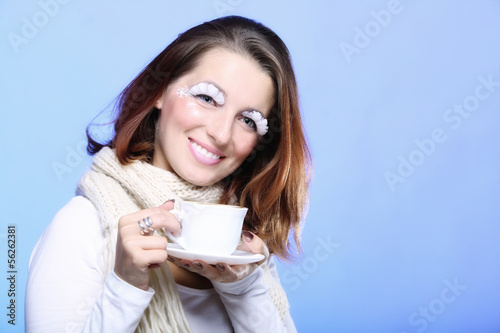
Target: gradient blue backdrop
x=401, y=103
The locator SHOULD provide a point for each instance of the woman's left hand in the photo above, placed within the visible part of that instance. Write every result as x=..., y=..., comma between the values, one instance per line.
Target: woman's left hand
x=223, y=272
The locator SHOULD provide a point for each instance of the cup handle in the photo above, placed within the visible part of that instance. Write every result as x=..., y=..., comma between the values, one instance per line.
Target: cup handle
x=177, y=240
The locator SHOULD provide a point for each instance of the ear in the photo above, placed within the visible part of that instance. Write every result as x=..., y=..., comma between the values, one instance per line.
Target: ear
x=159, y=102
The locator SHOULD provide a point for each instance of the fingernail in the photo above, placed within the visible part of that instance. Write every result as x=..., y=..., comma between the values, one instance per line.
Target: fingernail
x=170, y=259
x=247, y=236
x=197, y=265
x=220, y=267
x=169, y=200
x=185, y=265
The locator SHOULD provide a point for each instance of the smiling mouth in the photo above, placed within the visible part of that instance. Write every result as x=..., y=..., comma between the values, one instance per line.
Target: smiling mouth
x=204, y=152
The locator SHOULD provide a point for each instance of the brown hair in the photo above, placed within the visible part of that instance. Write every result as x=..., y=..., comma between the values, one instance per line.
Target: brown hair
x=273, y=181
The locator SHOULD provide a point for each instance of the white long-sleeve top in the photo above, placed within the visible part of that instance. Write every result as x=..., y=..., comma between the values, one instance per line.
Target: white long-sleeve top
x=68, y=292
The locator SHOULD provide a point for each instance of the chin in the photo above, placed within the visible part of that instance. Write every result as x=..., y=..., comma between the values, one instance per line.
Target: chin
x=202, y=183
x=199, y=181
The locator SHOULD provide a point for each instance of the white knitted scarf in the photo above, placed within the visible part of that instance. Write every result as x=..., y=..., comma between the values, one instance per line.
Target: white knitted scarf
x=117, y=190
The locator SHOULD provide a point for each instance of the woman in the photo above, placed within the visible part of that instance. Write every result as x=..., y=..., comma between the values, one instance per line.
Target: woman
x=210, y=119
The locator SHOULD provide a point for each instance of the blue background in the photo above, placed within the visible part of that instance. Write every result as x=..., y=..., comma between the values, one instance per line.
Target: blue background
x=415, y=252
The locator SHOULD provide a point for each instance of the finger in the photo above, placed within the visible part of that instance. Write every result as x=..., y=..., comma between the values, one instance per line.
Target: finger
x=252, y=243
x=235, y=272
x=184, y=263
x=221, y=272
x=140, y=250
x=168, y=205
x=168, y=221
x=143, y=259
x=152, y=243
x=200, y=267
x=158, y=218
x=144, y=243
x=157, y=257
x=139, y=215
x=175, y=260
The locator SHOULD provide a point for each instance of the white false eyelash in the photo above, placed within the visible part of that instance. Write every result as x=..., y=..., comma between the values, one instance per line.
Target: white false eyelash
x=208, y=89
x=260, y=121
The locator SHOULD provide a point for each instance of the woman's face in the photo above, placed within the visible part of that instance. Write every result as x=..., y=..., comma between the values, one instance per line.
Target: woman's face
x=211, y=117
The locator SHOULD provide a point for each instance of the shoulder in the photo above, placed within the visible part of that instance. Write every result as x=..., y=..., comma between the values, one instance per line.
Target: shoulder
x=78, y=213
x=76, y=206
x=75, y=227
x=78, y=217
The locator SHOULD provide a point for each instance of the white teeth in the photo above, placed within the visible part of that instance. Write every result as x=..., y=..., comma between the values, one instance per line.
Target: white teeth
x=203, y=151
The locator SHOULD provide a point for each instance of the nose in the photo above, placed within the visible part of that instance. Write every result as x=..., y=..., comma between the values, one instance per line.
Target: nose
x=220, y=128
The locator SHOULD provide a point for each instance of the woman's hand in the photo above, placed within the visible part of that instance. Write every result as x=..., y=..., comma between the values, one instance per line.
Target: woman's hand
x=222, y=272
x=136, y=253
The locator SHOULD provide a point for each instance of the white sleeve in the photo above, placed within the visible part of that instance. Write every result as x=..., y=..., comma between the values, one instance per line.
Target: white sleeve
x=67, y=290
x=249, y=305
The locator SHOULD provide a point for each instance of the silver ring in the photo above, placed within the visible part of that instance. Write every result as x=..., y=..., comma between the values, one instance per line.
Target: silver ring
x=148, y=223
x=144, y=231
x=147, y=227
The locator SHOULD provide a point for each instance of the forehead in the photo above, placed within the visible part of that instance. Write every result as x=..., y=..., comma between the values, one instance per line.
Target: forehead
x=240, y=78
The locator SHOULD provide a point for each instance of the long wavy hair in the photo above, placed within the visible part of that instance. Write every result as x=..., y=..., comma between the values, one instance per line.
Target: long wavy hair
x=273, y=182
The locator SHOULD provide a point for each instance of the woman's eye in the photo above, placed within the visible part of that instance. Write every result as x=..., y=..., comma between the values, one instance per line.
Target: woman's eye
x=206, y=99
x=249, y=122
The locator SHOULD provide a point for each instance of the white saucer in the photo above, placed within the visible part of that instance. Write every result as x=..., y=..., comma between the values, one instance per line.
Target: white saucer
x=237, y=258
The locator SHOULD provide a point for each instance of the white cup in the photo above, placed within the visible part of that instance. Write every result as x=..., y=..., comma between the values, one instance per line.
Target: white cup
x=209, y=228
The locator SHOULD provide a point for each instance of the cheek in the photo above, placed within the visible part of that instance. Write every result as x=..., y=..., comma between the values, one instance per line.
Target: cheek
x=244, y=146
x=182, y=112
